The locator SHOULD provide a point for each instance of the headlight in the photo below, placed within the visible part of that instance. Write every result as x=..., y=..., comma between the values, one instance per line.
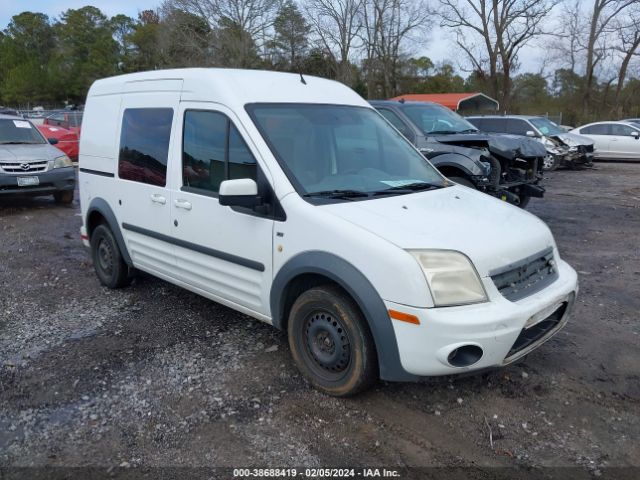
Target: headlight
x=451, y=277
x=61, y=161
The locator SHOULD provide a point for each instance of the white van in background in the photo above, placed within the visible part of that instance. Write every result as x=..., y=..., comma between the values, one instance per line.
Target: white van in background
x=292, y=200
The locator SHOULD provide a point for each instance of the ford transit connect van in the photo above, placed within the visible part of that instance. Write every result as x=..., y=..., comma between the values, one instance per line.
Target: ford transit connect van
x=292, y=200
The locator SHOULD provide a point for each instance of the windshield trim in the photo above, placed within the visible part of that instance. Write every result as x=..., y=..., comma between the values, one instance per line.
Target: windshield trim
x=298, y=187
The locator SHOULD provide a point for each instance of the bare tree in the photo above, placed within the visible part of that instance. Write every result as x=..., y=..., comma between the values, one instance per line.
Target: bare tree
x=493, y=32
x=253, y=17
x=387, y=25
x=568, y=45
x=629, y=46
x=602, y=15
x=185, y=39
x=337, y=24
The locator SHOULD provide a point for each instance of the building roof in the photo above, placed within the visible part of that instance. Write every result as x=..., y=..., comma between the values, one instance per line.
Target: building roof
x=454, y=101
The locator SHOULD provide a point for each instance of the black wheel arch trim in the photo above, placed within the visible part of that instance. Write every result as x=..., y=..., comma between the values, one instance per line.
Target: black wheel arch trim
x=462, y=163
x=356, y=284
x=101, y=206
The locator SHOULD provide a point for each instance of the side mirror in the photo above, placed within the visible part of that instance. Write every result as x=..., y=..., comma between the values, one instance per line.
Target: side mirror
x=635, y=134
x=52, y=141
x=531, y=133
x=242, y=192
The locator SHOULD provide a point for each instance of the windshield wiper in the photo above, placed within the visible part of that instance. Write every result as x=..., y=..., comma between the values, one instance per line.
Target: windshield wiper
x=408, y=188
x=18, y=143
x=337, y=194
x=441, y=132
x=469, y=130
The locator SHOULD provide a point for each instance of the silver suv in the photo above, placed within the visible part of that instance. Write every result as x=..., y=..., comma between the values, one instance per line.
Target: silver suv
x=30, y=164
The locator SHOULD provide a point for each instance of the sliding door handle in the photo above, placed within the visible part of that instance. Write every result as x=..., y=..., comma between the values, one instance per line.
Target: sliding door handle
x=157, y=198
x=183, y=204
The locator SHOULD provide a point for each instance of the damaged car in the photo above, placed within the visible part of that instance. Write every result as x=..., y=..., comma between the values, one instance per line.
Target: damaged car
x=564, y=149
x=505, y=166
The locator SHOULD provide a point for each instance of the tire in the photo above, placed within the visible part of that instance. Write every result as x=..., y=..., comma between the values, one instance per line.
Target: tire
x=550, y=163
x=110, y=268
x=463, y=181
x=64, y=197
x=524, y=201
x=323, y=322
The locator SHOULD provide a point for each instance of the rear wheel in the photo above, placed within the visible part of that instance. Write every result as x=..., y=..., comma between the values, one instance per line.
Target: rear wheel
x=110, y=268
x=331, y=343
x=463, y=181
x=64, y=198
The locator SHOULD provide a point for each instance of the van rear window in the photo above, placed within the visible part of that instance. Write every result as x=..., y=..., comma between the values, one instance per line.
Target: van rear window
x=144, y=145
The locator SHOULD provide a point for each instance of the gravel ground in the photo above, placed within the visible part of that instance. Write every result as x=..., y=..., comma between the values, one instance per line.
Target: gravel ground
x=155, y=376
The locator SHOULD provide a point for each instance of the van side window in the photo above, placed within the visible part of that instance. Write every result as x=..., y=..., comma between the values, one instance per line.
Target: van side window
x=213, y=151
x=204, y=149
x=242, y=164
x=144, y=145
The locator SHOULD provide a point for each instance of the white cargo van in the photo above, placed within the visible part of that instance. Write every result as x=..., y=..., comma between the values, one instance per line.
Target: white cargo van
x=290, y=199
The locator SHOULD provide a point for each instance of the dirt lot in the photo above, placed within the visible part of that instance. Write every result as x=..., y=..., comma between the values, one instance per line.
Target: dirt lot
x=155, y=376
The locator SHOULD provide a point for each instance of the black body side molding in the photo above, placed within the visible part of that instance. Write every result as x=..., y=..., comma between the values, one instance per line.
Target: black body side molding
x=97, y=172
x=227, y=257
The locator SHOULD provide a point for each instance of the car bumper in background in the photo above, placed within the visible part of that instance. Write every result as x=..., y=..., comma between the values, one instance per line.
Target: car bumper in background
x=496, y=328
x=56, y=180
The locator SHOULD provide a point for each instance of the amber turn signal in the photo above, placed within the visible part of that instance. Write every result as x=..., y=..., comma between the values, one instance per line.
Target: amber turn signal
x=404, y=317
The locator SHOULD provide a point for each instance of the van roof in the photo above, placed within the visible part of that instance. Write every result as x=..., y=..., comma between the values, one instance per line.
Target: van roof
x=232, y=87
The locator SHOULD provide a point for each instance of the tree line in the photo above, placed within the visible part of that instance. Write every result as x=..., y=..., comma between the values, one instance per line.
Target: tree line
x=590, y=68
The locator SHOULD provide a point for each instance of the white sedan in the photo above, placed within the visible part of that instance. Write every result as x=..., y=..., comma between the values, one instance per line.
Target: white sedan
x=613, y=140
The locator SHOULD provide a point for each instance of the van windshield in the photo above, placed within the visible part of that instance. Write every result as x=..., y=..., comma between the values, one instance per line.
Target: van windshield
x=16, y=131
x=344, y=152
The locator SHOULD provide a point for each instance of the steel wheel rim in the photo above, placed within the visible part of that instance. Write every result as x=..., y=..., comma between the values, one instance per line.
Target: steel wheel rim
x=104, y=256
x=327, y=344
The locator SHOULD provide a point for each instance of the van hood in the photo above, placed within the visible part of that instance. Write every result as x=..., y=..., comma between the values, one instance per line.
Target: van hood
x=28, y=152
x=490, y=232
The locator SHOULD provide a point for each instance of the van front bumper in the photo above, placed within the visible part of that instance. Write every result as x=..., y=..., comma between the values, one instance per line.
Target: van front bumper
x=497, y=327
x=51, y=181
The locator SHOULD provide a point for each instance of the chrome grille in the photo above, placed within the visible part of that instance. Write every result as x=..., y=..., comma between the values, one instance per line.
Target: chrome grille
x=24, y=167
x=527, y=276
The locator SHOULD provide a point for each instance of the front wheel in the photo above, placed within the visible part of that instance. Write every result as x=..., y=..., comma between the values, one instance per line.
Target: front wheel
x=550, y=163
x=111, y=269
x=331, y=343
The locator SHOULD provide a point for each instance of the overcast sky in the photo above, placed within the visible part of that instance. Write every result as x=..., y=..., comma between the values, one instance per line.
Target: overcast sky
x=439, y=46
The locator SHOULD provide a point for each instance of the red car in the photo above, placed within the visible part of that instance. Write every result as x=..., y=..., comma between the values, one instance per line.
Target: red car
x=68, y=140
x=71, y=120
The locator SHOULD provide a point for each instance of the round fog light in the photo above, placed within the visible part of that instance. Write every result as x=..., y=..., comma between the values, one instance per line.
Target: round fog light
x=464, y=356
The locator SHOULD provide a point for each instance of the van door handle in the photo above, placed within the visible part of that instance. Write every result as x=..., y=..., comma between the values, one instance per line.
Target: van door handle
x=183, y=204
x=157, y=198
